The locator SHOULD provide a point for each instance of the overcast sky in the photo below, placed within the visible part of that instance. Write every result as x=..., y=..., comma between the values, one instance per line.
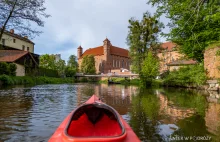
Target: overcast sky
x=87, y=23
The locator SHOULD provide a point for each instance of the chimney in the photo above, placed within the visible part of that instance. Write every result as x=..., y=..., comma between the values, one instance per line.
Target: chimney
x=12, y=31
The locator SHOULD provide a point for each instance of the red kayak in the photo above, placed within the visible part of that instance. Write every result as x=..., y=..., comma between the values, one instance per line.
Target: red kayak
x=94, y=121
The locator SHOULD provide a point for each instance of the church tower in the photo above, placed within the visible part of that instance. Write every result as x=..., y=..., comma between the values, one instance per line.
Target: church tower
x=79, y=51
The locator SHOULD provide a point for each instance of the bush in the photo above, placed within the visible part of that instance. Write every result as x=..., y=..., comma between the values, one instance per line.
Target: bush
x=187, y=76
x=4, y=68
x=12, y=69
x=19, y=80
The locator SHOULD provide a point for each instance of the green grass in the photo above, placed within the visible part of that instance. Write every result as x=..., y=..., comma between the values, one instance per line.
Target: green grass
x=122, y=81
x=18, y=80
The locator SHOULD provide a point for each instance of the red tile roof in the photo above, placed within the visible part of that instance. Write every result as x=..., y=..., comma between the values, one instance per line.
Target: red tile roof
x=11, y=55
x=182, y=62
x=119, y=51
x=97, y=51
x=168, y=45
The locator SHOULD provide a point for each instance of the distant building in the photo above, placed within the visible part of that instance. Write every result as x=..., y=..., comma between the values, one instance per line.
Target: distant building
x=21, y=59
x=13, y=41
x=19, y=50
x=57, y=57
x=107, y=57
x=170, y=57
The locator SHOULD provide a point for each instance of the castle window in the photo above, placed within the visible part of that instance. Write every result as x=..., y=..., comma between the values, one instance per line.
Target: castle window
x=122, y=64
x=23, y=47
x=14, y=40
x=27, y=48
x=113, y=63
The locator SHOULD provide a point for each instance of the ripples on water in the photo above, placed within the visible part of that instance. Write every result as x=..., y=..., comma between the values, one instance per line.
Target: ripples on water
x=34, y=113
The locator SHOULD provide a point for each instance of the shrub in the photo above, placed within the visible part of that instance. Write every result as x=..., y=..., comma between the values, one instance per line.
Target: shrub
x=4, y=68
x=189, y=75
x=12, y=69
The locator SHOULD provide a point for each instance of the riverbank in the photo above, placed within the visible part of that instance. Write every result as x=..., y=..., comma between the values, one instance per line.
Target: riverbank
x=24, y=80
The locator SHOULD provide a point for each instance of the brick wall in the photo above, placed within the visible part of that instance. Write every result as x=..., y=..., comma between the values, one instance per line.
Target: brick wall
x=212, y=62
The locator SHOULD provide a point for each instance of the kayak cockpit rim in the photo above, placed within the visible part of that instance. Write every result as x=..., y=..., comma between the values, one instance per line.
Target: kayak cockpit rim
x=80, y=110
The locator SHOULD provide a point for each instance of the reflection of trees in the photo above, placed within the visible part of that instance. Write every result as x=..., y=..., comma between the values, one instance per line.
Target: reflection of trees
x=145, y=108
x=192, y=126
x=187, y=99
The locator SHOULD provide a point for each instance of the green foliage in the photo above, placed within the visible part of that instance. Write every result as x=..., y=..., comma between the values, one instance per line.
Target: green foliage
x=7, y=68
x=60, y=67
x=12, y=69
x=88, y=65
x=49, y=62
x=69, y=72
x=46, y=72
x=187, y=76
x=4, y=68
x=150, y=69
x=194, y=24
x=19, y=80
x=142, y=37
x=72, y=66
x=72, y=63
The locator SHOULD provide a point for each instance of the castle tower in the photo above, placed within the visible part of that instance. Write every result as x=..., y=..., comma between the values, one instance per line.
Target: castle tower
x=79, y=51
x=107, y=44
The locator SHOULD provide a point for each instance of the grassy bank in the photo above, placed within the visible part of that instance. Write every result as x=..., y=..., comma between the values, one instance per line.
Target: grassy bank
x=123, y=81
x=18, y=80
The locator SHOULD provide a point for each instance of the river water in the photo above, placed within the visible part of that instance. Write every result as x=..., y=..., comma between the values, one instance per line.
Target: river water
x=34, y=113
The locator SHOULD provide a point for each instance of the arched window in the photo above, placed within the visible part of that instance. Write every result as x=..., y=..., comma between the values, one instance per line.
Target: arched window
x=122, y=64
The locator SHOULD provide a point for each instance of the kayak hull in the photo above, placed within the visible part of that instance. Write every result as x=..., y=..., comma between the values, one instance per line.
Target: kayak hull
x=61, y=135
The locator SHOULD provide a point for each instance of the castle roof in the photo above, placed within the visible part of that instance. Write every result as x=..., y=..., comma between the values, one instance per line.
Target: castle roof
x=97, y=51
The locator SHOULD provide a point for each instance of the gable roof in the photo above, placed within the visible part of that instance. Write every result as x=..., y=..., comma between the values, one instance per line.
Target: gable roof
x=97, y=51
x=168, y=45
x=11, y=55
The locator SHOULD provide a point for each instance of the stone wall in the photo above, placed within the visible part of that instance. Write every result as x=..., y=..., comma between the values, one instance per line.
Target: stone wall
x=212, y=62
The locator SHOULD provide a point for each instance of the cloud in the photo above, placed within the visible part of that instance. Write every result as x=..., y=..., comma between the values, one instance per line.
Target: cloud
x=87, y=23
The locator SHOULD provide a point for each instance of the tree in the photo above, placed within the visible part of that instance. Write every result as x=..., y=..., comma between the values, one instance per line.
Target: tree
x=71, y=67
x=21, y=14
x=88, y=65
x=194, y=24
x=142, y=36
x=60, y=67
x=48, y=61
x=72, y=61
x=69, y=72
x=150, y=69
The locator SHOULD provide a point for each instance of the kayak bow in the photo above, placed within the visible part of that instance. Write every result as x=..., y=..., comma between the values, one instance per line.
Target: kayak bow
x=94, y=121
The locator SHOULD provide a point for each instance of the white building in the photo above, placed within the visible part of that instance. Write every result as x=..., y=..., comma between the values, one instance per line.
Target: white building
x=10, y=40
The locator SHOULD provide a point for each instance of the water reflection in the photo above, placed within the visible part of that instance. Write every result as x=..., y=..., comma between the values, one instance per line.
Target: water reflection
x=34, y=113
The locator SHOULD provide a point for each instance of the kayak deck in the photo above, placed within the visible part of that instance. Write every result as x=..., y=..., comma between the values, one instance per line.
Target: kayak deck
x=94, y=121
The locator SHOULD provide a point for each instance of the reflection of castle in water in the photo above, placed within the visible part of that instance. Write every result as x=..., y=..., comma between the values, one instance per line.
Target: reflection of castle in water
x=117, y=96
x=212, y=115
x=175, y=113
x=212, y=118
